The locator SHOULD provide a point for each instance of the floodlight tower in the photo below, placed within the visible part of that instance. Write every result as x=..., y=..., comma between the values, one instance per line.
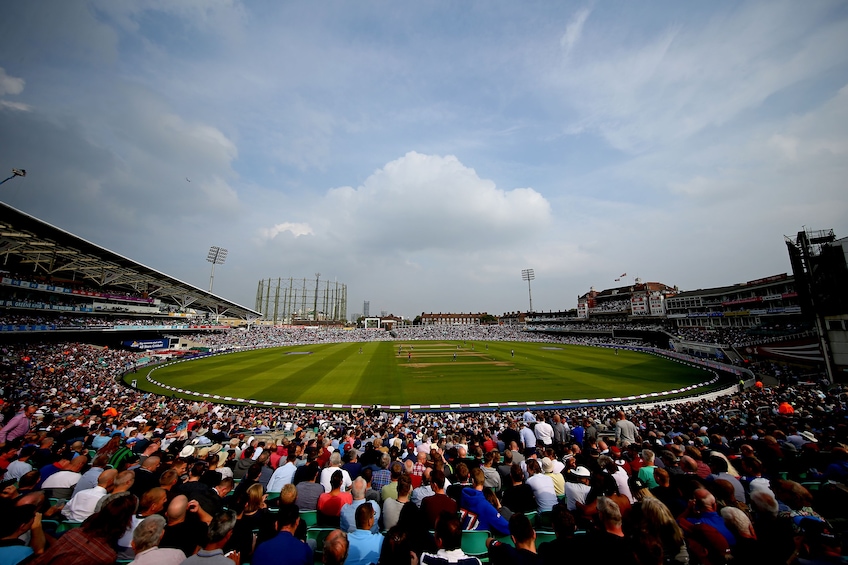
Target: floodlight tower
x=315, y=306
x=528, y=275
x=15, y=173
x=217, y=256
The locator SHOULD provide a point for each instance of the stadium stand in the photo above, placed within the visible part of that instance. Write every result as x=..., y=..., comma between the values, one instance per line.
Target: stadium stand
x=759, y=475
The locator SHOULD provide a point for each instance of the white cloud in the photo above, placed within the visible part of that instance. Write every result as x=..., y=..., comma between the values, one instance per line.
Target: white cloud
x=296, y=229
x=573, y=31
x=676, y=143
x=639, y=94
x=17, y=106
x=420, y=202
x=9, y=84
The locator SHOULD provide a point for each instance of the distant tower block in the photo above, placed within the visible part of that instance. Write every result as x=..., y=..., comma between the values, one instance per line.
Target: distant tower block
x=303, y=301
x=366, y=308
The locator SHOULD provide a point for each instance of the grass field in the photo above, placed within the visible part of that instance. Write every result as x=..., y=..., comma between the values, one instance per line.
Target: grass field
x=426, y=372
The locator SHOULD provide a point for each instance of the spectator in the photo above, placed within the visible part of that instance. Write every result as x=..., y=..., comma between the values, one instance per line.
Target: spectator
x=93, y=542
x=18, y=426
x=364, y=546
x=83, y=504
x=285, y=543
x=217, y=536
x=477, y=512
x=145, y=542
x=348, y=511
x=336, y=547
x=524, y=539
x=17, y=522
x=448, y=536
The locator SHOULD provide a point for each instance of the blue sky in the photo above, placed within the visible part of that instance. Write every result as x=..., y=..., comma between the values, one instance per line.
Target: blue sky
x=424, y=154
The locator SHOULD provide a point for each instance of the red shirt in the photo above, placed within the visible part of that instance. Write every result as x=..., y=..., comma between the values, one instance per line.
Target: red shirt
x=331, y=505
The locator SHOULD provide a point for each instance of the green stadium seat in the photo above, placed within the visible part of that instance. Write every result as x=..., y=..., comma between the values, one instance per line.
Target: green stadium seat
x=318, y=534
x=67, y=525
x=309, y=517
x=505, y=539
x=474, y=542
x=543, y=522
x=542, y=537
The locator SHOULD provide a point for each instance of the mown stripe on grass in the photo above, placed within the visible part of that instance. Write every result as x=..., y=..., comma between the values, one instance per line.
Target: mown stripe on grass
x=313, y=368
x=379, y=382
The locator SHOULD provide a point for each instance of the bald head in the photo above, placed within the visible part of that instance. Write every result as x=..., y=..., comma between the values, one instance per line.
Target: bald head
x=705, y=500
x=107, y=478
x=177, y=509
x=151, y=463
x=78, y=463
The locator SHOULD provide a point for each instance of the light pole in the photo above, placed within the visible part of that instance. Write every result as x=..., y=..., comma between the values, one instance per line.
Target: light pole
x=315, y=306
x=15, y=173
x=217, y=256
x=528, y=275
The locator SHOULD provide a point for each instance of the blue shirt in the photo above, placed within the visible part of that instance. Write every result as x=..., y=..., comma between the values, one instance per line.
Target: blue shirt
x=364, y=548
x=15, y=553
x=716, y=521
x=285, y=544
x=347, y=518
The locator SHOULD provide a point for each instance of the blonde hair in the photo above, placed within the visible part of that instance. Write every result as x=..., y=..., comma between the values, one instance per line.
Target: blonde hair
x=255, y=498
x=658, y=522
x=288, y=494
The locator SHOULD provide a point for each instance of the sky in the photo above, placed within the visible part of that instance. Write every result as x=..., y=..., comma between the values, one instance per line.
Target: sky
x=425, y=153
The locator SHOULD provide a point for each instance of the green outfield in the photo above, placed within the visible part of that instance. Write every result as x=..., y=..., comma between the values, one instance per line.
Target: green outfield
x=425, y=372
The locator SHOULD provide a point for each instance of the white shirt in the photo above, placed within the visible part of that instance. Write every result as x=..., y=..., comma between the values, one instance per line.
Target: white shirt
x=621, y=477
x=82, y=505
x=448, y=555
x=62, y=479
x=281, y=477
x=126, y=539
x=574, y=493
x=544, y=433
x=543, y=488
x=327, y=474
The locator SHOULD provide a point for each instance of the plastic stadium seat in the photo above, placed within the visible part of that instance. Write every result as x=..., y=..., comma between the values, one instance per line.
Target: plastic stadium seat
x=50, y=525
x=67, y=525
x=474, y=542
x=309, y=517
x=542, y=537
x=318, y=534
x=505, y=539
x=543, y=522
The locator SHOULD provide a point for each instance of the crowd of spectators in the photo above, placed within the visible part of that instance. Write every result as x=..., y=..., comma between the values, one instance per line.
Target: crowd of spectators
x=694, y=482
x=740, y=337
x=85, y=321
x=611, y=306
